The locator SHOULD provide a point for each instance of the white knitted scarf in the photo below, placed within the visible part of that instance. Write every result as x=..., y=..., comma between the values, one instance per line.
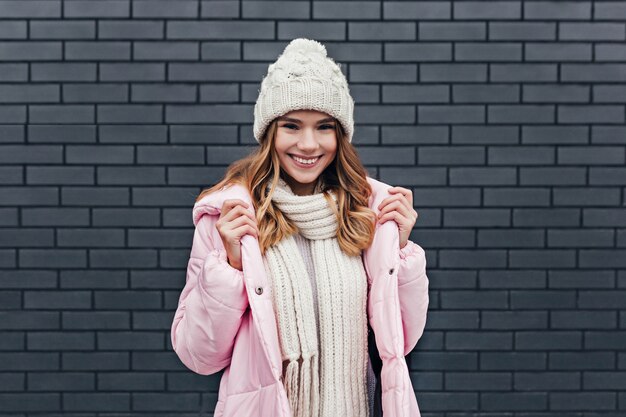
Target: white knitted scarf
x=325, y=378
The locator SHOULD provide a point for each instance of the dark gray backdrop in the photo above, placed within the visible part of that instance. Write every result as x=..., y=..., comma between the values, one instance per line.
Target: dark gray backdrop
x=505, y=118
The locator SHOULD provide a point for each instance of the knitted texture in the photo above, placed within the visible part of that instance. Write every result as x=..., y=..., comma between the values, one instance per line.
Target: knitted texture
x=325, y=377
x=304, y=77
x=305, y=250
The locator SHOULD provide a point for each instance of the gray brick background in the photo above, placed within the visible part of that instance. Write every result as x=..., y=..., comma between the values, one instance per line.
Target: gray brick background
x=506, y=119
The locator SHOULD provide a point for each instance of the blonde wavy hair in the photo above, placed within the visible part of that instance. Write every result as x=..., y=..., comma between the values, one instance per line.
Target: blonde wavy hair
x=346, y=176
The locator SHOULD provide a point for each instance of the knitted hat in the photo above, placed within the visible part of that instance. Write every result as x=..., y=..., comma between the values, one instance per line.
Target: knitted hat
x=304, y=78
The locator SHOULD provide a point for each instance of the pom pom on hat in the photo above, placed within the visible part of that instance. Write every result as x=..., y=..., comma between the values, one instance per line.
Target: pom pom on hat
x=306, y=45
x=304, y=77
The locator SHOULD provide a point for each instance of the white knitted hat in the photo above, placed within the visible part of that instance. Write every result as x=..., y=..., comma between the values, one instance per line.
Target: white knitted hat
x=303, y=77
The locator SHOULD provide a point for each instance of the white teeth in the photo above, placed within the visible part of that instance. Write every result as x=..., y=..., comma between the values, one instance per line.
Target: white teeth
x=305, y=161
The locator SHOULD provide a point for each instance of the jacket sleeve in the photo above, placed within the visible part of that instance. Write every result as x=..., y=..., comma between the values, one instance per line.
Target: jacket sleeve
x=413, y=293
x=211, y=304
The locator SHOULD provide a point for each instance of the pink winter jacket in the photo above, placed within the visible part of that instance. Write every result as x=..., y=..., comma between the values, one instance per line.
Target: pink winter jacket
x=225, y=319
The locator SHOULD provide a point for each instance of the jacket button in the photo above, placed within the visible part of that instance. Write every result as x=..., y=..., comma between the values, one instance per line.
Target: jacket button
x=259, y=290
x=391, y=271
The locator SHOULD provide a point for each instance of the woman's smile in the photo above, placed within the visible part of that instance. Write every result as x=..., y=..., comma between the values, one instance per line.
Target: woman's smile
x=305, y=163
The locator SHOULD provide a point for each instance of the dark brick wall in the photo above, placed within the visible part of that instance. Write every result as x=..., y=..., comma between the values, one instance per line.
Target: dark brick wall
x=505, y=118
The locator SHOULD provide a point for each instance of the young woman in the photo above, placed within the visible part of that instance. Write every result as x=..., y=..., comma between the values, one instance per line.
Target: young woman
x=298, y=284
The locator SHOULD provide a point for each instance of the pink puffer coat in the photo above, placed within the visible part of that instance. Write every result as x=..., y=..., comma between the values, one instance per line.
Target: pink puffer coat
x=225, y=319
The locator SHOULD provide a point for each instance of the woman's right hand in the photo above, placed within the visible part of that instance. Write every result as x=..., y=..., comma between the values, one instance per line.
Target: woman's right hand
x=235, y=221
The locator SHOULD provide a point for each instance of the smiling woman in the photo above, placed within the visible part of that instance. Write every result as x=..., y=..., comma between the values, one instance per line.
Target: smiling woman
x=306, y=143
x=300, y=234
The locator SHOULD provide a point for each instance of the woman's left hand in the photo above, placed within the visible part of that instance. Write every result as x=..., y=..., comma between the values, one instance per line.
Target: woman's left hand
x=399, y=207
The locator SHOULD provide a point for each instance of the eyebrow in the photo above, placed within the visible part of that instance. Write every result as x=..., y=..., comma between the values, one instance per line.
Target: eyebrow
x=289, y=119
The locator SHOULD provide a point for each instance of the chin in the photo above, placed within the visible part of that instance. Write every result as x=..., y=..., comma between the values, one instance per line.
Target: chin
x=305, y=179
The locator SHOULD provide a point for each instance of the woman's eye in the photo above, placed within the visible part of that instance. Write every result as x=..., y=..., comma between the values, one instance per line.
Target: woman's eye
x=324, y=127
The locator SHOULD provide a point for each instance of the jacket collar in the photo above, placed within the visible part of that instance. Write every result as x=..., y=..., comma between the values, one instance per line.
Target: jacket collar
x=212, y=203
x=380, y=258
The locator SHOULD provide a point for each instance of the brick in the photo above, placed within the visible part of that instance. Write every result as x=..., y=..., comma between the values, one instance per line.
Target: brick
x=51, y=29
x=452, y=320
x=514, y=401
x=30, y=402
x=422, y=52
x=11, y=175
x=381, y=31
x=126, y=217
x=442, y=401
x=95, y=196
x=96, y=401
x=506, y=320
x=50, y=133
x=551, y=217
x=332, y=31
x=284, y=10
x=133, y=113
x=132, y=134
x=513, y=361
x=511, y=197
x=583, y=401
x=582, y=360
x=112, y=29
x=60, y=175
x=220, y=9
x=485, y=52
x=547, y=381
x=102, y=9
x=440, y=31
x=581, y=280
x=423, y=10
x=478, y=381
x=484, y=135
x=609, y=10
x=591, y=72
x=451, y=114
x=452, y=72
x=485, y=93
x=26, y=237
x=120, y=258
x=66, y=113
x=125, y=72
x=583, y=319
x=508, y=72
x=444, y=360
x=383, y=73
x=136, y=175
x=61, y=341
x=458, y=340
x=53, y=258
x=102, y=154
x=553, y=176
x=474, y=299
x=131, y=381
x=161, y=9
x=177, y=51
x=497, y=10
x=91, y=237
x=551, y=51
x=511, y=30
x=61, y=381
x=595, y=238
x=552, y=340
x=219, y=30
x=591, y=31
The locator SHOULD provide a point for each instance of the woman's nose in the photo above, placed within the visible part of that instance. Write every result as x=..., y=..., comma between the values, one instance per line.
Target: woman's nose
x=308, y=140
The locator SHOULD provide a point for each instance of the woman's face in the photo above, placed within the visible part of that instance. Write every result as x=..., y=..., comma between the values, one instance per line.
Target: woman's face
x=310, y=135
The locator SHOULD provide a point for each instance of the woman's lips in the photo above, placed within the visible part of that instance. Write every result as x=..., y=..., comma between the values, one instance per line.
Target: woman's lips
x=302, y=165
